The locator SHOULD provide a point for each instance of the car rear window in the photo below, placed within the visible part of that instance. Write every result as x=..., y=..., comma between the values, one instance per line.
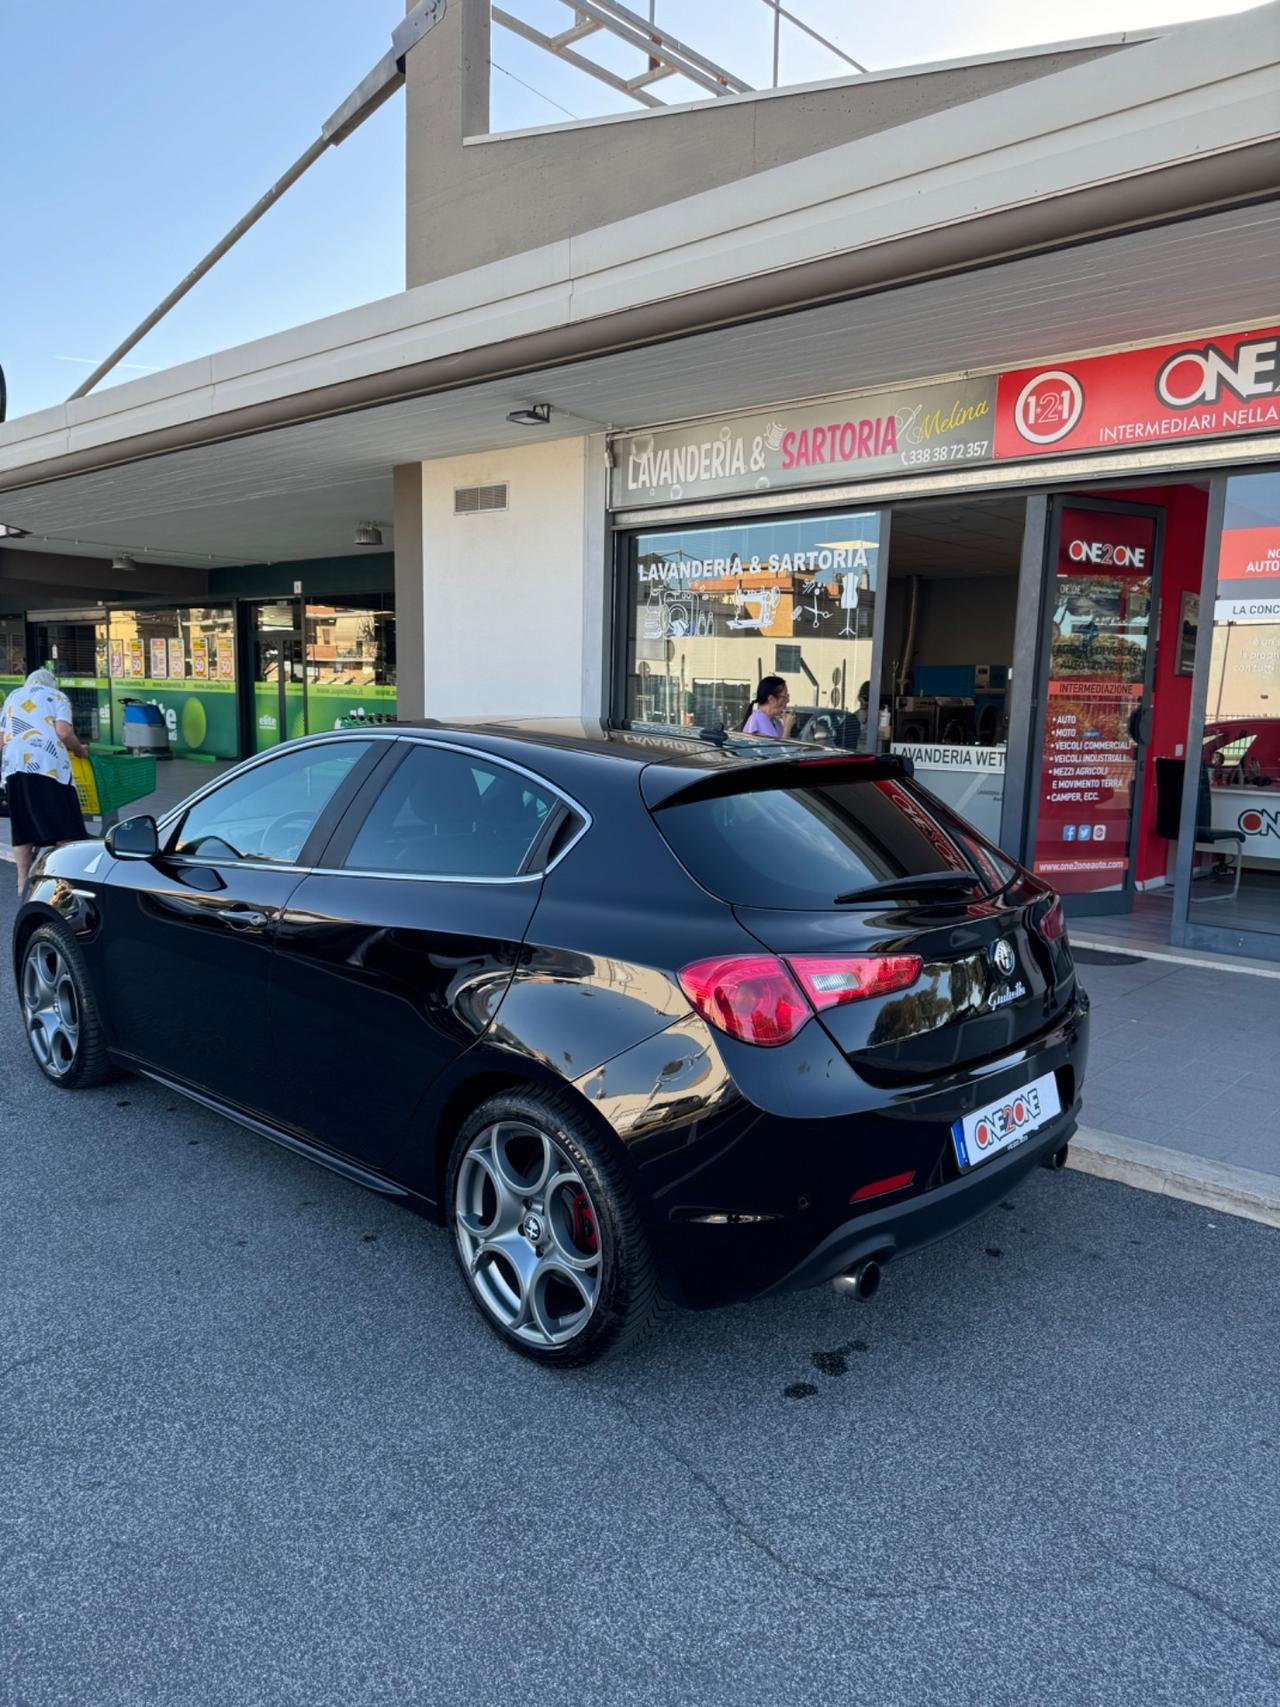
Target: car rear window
x=798, y=844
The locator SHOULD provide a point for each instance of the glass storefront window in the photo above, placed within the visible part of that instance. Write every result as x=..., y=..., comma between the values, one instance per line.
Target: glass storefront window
x=350, y=659
x=13, y=651
x=1238, y=787
x=712, y=610
x=183, y=660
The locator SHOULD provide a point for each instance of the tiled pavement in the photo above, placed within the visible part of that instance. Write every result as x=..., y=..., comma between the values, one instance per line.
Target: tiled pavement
x=1186, y=1057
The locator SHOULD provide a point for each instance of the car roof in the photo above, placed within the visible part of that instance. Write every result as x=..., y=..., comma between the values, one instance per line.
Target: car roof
x=563, y=748
x=637, y=743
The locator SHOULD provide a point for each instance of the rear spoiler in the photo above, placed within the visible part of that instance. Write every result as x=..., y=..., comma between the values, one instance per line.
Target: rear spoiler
x=665, y=785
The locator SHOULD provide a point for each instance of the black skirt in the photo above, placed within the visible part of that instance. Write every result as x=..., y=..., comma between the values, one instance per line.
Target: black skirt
x=43, y=810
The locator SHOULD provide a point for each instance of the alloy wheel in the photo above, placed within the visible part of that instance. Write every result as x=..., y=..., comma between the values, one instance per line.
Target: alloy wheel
x=528, y=1233
x=51, y=1009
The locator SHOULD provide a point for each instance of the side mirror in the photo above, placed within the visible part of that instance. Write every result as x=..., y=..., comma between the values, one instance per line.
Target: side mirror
x=135, y=838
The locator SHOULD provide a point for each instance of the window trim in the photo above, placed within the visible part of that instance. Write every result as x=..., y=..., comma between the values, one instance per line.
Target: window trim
x=321, y=831
x=344, y=835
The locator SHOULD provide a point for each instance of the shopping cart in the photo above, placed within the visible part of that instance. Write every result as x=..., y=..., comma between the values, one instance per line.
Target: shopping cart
x=365, y=720
x=109, y=779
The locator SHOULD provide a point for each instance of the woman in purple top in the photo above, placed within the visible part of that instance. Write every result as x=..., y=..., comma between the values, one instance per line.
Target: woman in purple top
x=770, y=716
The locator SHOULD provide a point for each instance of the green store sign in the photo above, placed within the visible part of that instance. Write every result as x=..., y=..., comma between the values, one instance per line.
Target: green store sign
x=206, y=720
x=199, y=720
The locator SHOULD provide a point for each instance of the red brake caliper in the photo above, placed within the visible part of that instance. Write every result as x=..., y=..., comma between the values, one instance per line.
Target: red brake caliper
x=585, y=1235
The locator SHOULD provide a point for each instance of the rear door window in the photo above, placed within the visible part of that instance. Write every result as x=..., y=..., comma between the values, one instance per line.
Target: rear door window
x=444, y=813
x=778, y=839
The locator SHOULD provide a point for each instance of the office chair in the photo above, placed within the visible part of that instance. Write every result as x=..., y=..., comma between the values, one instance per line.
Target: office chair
x=1170, y=776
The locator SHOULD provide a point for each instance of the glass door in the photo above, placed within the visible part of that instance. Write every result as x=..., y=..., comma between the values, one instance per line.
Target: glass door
x=1231, y=808
x=278, y=672
x=1096, y=667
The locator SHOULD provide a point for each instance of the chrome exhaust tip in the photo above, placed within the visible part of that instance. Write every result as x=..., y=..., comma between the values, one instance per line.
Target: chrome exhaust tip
x=1058, y=1160
x=862, y=1282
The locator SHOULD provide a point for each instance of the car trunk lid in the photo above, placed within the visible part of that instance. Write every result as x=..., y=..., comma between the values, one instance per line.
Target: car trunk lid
x=989, y=980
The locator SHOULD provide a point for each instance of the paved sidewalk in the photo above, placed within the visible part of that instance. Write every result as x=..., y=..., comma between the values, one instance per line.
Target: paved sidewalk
x=1185, y=1057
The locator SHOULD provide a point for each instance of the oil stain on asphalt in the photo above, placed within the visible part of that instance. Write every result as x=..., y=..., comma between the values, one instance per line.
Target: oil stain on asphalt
x=830, y=1363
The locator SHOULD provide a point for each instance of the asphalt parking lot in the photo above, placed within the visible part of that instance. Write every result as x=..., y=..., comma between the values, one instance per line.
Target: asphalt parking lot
x=259, y=1448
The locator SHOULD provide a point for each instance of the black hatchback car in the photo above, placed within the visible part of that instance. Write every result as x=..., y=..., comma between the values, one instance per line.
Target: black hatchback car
x=635, y=1016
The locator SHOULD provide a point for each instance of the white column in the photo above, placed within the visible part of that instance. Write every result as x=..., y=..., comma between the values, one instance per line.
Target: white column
x=515, y=599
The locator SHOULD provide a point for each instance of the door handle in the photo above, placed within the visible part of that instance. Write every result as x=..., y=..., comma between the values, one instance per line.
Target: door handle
x=243, y=918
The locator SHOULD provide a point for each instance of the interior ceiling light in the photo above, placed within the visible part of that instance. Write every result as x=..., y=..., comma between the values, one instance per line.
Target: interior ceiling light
x=8, y=532
x=123, y=563
x=535, y=415
x=368, y=533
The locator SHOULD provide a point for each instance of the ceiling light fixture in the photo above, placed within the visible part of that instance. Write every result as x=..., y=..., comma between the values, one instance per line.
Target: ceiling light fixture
x=123, y=563
x=535, y=415
x=368, y=533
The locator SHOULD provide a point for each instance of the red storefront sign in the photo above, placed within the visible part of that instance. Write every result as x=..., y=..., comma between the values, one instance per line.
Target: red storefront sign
x=1198, y=388
x=1097, y=668
x=1249, y=554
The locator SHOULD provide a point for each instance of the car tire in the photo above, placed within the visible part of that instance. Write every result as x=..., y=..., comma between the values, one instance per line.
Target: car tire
x=60, y=1012
x=546, y=1230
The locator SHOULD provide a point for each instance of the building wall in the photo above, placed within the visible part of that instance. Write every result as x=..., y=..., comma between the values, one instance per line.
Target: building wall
x=513, y=600
x=472, y=198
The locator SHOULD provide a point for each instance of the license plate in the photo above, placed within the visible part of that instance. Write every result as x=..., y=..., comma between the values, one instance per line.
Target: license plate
x=987, y=1131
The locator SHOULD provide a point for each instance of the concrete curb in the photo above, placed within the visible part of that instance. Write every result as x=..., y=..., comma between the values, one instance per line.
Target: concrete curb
x=1175, y=1173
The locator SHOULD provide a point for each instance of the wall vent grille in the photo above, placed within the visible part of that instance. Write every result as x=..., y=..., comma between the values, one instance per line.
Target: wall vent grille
x=475, y=500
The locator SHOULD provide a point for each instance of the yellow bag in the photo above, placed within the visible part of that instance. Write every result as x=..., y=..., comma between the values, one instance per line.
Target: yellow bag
x=86, y=785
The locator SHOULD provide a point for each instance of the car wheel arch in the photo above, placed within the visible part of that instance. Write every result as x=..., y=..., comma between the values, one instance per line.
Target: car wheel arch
x=23, y=931
x=480, y=1087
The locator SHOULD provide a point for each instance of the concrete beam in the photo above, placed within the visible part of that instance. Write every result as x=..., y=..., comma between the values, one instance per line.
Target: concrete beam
x=47, y=574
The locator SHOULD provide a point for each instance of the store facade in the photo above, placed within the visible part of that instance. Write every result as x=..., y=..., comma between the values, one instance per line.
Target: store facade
x=1055, y=589
x=270, y=653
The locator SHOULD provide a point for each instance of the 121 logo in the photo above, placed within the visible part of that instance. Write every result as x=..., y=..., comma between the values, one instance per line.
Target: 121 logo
x=1049, y=407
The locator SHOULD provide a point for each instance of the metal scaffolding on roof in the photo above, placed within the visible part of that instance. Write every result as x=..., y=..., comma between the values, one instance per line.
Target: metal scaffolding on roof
x=666, y=55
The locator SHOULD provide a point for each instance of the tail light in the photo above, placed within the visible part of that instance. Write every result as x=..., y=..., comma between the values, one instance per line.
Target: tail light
x=752, y=997
x=1053, y=926
x=763, y=1000
x=830, y=982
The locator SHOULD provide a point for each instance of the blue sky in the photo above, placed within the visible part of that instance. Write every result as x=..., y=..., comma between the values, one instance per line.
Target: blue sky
x=133, y=134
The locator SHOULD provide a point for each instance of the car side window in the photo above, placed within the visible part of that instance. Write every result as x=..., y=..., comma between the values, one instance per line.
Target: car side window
x=448, y=814
x=268, y=812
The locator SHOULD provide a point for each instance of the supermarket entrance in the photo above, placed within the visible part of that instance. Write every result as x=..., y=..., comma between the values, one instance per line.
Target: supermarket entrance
x=70, y=650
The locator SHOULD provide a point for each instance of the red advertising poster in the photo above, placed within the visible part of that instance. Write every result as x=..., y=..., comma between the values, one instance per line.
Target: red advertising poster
x=1250, y=554
x=1097, y=668
x=1198, y=388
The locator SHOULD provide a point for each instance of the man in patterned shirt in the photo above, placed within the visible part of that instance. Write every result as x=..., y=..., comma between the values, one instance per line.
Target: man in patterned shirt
x=36, y=735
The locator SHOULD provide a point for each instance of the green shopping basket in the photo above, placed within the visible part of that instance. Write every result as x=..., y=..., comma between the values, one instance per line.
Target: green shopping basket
x=111, y=778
